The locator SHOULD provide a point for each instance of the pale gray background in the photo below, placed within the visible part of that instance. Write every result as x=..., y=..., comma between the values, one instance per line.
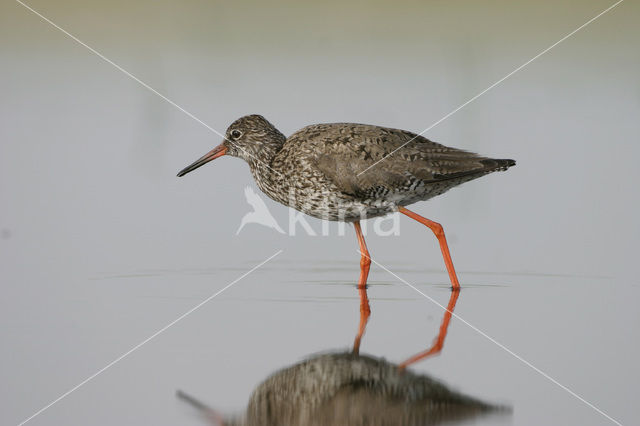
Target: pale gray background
x=101, y=245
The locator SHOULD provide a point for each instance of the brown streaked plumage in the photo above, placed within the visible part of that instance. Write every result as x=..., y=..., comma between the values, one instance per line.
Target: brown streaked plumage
x=324, y=170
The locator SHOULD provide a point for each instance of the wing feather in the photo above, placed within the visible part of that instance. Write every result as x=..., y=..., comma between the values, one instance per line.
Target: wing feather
x=348, y=150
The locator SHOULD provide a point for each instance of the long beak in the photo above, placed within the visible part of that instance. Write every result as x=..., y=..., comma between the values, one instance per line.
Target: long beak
x=216, y=152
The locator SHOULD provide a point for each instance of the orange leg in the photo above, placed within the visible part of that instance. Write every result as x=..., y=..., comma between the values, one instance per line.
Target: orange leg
x=439, y=232
x=439, y=342
x=365, y=310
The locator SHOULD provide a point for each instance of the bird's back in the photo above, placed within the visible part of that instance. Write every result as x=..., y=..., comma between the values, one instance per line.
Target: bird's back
x=371, y=162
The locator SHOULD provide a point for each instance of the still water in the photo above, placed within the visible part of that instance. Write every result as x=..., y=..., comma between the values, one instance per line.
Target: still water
x=285, y=312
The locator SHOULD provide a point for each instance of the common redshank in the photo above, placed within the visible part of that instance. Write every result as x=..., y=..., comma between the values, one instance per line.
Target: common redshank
x=349, y=172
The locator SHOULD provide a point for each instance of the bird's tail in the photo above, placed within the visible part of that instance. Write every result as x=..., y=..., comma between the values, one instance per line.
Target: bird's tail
x=495, y=165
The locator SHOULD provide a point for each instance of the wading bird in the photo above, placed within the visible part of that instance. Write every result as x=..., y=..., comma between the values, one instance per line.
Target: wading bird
x=349, y=172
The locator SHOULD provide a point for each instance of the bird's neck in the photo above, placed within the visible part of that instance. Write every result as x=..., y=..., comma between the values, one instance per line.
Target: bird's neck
x=264, y=156
x=262, y=167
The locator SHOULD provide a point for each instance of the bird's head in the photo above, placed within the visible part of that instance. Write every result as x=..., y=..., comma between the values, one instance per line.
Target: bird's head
x=251, y=138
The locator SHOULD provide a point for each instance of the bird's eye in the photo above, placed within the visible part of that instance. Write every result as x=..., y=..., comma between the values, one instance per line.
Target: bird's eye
x=236, y=134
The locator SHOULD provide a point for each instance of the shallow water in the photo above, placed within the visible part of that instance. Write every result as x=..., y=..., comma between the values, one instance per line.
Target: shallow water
x=275, y=317
x=101, y=246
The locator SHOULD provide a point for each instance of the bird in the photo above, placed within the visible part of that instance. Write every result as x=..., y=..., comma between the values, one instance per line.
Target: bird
x=260, y=213
x=350, y=172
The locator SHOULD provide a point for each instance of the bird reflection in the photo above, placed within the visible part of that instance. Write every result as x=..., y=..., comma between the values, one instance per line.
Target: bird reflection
x=436, y=346
x=348, y=388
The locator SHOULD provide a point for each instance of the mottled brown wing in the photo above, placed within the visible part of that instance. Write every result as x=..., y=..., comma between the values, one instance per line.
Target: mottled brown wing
x=344, y=153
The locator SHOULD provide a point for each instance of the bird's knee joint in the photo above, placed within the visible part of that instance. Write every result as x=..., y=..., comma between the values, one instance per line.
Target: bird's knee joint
x=438, y=230
x=365, y=261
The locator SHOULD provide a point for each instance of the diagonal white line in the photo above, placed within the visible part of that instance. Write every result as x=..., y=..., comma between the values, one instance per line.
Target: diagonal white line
x=145, y=85
x=500, y=345
x=494, y=85
x=127, y=73
x=147, y=340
